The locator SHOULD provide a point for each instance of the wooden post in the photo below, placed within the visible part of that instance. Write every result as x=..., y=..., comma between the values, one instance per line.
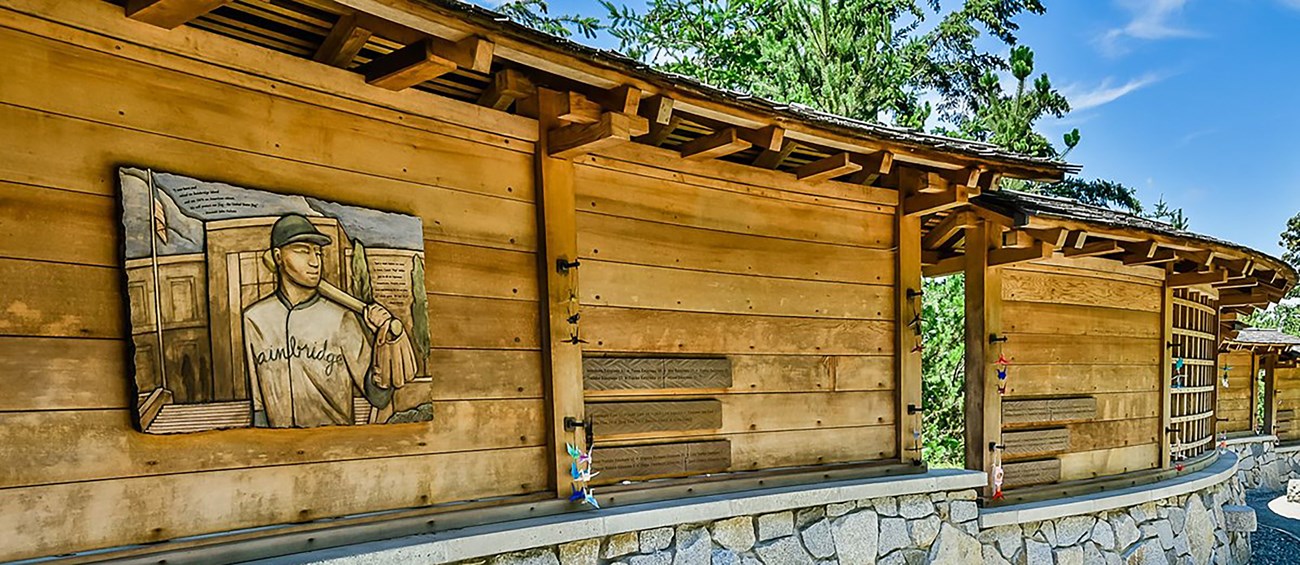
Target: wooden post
x=558, y=243
x=1166, y=372
x=908, y=303
x=1269, y=364
x=983, y=323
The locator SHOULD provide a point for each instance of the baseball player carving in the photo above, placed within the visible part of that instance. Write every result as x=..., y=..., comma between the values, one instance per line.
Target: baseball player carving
x=311, y=347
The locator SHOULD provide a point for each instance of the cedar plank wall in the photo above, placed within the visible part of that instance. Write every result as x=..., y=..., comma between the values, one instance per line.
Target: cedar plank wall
x=1235, y=402
x=1087, y=327
x=76, y=104
x=1287, y=391
x=793, y=283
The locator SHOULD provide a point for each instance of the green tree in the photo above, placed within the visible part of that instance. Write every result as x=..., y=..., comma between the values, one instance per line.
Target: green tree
x=537, y=15
x=361, y=273
x=943, y=370
x=1290, y=241
x=1008, y=119
x=419, y=313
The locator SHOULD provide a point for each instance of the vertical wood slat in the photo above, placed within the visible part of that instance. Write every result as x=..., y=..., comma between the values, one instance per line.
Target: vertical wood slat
x=1166, y=372
x=558, y=240
x=983, y=321
x=1269, y=363
x=908, y=371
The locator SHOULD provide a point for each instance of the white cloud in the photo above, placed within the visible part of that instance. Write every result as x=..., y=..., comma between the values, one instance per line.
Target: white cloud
x=1293, y=4
x=1151, y=20
x=1083, y=98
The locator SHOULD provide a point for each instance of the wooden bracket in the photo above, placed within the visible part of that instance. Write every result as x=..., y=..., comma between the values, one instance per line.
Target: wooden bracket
x=658, y=109
x=769, y=159
x=1094, y=248
x=874, y=166
x=507, y=86
x=343, y=43
x=947, y=228
x=1197, y=278
x=717, y=144
x=426, y=60
x=1155, y=255
x=1008, y=255
x=579, y=139
x=836, y=165
x=170, y=14
x=924, y=203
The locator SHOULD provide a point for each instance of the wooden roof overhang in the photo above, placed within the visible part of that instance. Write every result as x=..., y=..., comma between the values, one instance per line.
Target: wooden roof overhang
x=1036, y=227
x=1264, y=341
x=475, y=55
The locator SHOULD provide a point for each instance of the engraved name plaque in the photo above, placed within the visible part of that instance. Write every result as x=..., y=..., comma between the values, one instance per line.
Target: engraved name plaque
x=1031, y=473
x=639, y=373
x=613, y=418
x=663, y=460
x=1036, y=442
x=1048, y=410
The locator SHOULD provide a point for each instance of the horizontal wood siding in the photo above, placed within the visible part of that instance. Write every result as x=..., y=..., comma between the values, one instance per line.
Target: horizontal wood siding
x=1078, y=329
x=794, y=289
x=1235, y=404
x=1287, y=396
x=86, y=91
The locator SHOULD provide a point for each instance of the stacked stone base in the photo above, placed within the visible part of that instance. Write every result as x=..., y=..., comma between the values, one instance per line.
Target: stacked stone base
x=938, y=528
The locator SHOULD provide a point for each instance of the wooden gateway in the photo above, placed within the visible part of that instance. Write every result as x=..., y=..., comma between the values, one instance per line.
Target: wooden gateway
x=1105, y=327
x=1259, y=384
x=720, y=292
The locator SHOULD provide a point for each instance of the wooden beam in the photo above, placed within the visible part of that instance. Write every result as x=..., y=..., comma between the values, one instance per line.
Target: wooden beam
x=1054, y=237
x=947, y=228
x=1157, y=255
x=1239, y=267
x=658, y=109
x=426, y=60
x=983, y=405
x=921, y=204
x=968, y=177
x=1140, y=248
x=1197, y=278
x=579, y=139
x=558, y=242
x=769, y=138
x=1009, y=255
x=170, y=14
x=578, y=109
x=769, y=159
x=944, y=266
x=714, y=145
x=874, y=166
x=1094, y=248
x=343, y=43
x=659, y=133
x=836, y=165
x=908, y=306
x=935, y=183
x=1250, y=298
x=1204, y=258
x=1237, y=282
x=625, y=99
x=507, y=86
x=1269, y=364
x=990, y=181
x=1164, y=354
x=1075, y=239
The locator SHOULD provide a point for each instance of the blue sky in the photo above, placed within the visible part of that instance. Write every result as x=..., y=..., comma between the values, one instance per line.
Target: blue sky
x=1195, y=100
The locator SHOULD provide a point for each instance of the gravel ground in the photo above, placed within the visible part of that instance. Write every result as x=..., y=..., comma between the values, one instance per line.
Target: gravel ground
x=1278, y=538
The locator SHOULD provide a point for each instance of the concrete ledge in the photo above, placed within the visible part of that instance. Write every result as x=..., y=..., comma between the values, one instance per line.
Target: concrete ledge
x=1221, y=470
x=1288, y=449
x=505, y=537
x=1251, y=439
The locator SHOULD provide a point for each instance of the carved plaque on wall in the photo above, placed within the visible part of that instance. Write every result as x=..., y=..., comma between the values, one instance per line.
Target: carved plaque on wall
x=670, y=459
x=1036, y=442
x=1031, y=473
x=613, y=418
x=637, y=373
x=1048, y=410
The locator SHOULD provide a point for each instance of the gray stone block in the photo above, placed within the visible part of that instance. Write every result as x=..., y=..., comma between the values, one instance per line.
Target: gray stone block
x=530, y=557
x=736, y=534
x=784, y=551
x=619, y=545
x=924, y=531
x=1071, y=530
x=1293, y=490
x=955, y=547
x=694, y=546
x=817, y=538
x=657, y=539
x=1069, y=555
x=856, y=537
x=893, y=535
x=583, y=552
x=1237, y=518
x=1037, y=553
x=915, y=506
x=963, y=510
x=778, y=525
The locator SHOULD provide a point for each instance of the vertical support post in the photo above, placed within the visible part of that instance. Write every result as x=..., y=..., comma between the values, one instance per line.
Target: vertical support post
x=557, y=242
x=1166, y=372
x=983, y=322
x=907, y=308
x=1269, y=363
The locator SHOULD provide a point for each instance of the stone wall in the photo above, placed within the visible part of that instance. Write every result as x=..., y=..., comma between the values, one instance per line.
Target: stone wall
x=1189, y=528
x=921, y=528
x=1260, y=467
x=937, y=528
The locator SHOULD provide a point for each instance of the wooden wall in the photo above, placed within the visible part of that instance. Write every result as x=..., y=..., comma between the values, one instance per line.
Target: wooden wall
x=79, y=100
x=1287, y=396
x=791, y=283
x=1084, y=328
x=1235, y=405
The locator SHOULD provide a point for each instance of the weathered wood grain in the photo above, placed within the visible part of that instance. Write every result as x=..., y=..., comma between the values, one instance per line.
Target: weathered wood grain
x=612, y=284
x=650, y=331
x=625, y=240
x=1072, y=319
x=662, y=460
x=1106, y=462
x=1028, y=473
x=1022, y=286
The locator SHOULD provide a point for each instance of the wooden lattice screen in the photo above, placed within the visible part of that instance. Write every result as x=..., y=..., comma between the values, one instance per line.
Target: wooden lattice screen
x=1195, y=342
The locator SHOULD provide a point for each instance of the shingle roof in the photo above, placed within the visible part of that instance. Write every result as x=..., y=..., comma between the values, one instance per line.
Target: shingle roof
x=796, y=112
x=1263, y=336
x=1023, y=204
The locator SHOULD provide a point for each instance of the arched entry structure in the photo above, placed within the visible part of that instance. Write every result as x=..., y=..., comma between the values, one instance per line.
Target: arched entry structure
x=1107, y=326
x=1255, y=358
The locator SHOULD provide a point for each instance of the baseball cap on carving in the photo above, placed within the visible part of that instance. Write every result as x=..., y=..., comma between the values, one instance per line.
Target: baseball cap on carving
x=293, y=228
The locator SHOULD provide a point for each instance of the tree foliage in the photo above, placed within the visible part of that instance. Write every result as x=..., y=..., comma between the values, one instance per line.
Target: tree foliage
x=943, y=370
x=537, y=15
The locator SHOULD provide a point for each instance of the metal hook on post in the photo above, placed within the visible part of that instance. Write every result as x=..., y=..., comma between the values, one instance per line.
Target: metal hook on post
x=995, y=338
